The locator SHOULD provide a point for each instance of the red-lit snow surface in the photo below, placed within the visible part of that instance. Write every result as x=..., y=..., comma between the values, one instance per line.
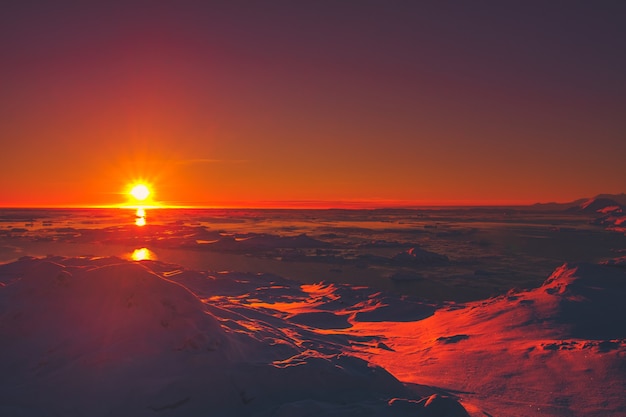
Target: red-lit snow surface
x=107, y=337
x=557, y=350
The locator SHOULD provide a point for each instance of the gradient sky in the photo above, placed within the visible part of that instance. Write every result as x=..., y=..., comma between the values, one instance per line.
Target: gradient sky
x=225, y=102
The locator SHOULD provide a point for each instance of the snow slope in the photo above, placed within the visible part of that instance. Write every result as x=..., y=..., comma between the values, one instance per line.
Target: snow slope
x=107, y=337
x=557, y=350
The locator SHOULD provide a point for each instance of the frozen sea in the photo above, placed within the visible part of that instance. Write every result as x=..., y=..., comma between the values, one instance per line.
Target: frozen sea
x=456, y=254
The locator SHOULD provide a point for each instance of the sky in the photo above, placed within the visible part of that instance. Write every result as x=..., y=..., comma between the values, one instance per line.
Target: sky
x=226, y=103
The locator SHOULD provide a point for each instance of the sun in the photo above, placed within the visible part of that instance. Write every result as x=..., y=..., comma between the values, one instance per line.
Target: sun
x=140, y=192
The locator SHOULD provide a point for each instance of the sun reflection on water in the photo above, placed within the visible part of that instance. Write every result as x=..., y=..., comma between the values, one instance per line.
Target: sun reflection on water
x=143, y=254
x=140, y=219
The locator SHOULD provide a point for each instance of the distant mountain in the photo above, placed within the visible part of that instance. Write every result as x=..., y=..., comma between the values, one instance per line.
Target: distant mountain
x=618, y=198
x=599, y=205
x=602, y=203
x=559, y=206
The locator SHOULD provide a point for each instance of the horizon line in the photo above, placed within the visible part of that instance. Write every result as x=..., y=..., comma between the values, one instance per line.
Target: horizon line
x=299, y=204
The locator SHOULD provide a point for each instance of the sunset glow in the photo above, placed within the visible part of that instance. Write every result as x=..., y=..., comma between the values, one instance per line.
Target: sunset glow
x=403, y=104
x=406, y=208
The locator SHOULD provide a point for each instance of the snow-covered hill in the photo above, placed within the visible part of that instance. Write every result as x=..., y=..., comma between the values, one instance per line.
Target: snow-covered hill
x=106, y=337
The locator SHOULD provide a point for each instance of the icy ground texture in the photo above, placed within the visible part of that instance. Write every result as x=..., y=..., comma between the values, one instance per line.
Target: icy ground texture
x=107, y=337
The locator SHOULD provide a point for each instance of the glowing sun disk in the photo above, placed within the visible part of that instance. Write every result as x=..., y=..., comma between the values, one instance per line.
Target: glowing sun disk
x=140, y=192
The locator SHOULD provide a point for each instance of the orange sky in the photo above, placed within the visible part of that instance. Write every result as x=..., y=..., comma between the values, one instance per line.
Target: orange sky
x=222, y=104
